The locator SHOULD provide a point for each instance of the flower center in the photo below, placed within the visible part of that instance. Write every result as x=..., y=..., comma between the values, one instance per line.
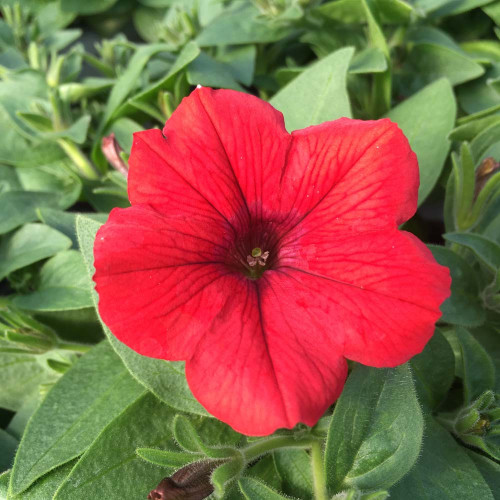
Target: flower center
x=254, y=246
x=257, y=258
x=256, y=261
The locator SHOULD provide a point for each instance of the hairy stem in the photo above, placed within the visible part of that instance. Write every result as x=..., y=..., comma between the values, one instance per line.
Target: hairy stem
x=318, y=470
x=263, y=446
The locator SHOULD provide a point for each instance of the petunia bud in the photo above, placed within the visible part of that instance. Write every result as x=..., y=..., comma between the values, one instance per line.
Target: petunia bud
x=112, y=151
x=478, y=424
x=25, y=333
x=484, y=172
x=191, y=482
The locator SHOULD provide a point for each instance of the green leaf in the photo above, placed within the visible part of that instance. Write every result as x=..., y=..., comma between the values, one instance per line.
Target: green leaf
x=187, y=437
x=478, y=97
x=8, y=447
x=443, y=471
x=65, y=222
x=432, y=61
x=76, y=132
x=188, y=54
x=382, y=83
x=240, y=62
x=88, y=87
x=87, y=7
x=487, y=336
x=128, y=80
x=241, y=24
x=493, y=10
x=20, y=419
x=63, y=285
x=124, y=129
x=318, y=94
x=376, y=431
x=208, y=72
x=35, y=121
x=21, y=376
x=454, y=7
x=253, y=489
x=46, y=486
x=294, y=468
x=485, y=249
x=464, y=306
x=483, y=141
x=165, y=379
x=167, y=458
x=490, y=471
x=369, y=60
x=426, y=119
x=349, y=11
x=265, y=470
x=434, y=370
x=19, y=207
x=477, y=366
x=111, y=466
x=82, y=403
x=54, y=178
x=31, y=243
x=470, y=130
x=483, y=51
x=4, y=484
x=8, y=179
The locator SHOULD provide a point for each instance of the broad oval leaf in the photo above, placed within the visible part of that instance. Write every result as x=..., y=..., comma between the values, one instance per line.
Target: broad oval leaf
x=376, y=431
x=29, y=244
x=426, y=118
x=478, y=370
x=443, y=471
x=253, y=489
x=45, y=487
x=89, y=396
x=63, y=285
x=294, y=467
x=318, y=94
x=18, y=207
x=111, y=466
x=434, y=370
x=464, y=306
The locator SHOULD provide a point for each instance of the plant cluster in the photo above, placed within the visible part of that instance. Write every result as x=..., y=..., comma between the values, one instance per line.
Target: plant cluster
x=82, y=415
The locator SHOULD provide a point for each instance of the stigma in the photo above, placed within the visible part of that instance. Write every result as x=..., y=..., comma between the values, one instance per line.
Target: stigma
x=257, y=257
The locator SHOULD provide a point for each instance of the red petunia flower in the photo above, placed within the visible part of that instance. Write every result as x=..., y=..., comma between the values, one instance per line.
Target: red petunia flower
x=264, y=259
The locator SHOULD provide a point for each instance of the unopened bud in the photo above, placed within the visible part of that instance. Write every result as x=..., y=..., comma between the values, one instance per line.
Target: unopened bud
x=113, y=153
x=488, y=167
x=191, y=482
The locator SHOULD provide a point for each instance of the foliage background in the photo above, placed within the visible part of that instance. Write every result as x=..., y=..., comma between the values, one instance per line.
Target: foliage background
x=90, y=418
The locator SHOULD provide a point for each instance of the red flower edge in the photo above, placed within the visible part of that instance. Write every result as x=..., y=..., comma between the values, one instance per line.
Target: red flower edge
x=264, y=259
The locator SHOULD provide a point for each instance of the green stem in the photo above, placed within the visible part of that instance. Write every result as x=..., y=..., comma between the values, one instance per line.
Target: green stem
x=318, y=470
x=79, y=159
x=263, y=446
x=69, y=346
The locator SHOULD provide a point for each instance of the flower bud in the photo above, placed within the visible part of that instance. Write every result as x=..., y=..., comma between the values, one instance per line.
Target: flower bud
x=112, y=151
x=191, y=482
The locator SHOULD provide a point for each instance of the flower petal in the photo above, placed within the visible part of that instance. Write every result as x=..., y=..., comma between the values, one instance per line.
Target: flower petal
x=362, y=174
x=261, y=366
x=384, y=289
x=160, y=279
x=221, y=149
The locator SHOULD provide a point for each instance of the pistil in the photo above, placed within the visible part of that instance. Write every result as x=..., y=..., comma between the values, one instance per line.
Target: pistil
x=257, y=257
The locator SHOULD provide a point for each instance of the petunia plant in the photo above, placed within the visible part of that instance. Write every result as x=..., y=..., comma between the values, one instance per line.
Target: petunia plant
x=249, y=249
